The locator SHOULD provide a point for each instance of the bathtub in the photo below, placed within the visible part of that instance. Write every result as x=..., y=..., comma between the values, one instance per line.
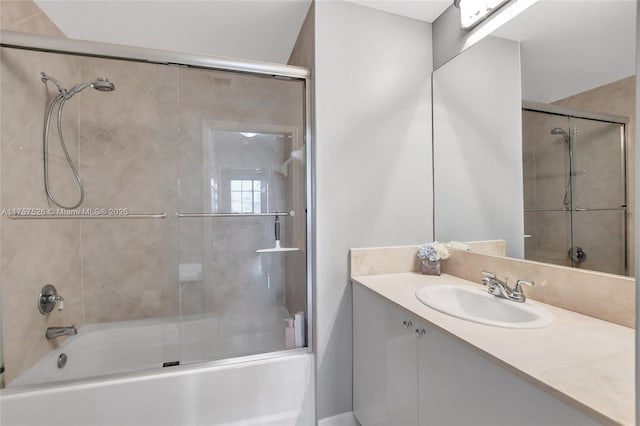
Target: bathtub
x=269, y=389
x=129, y=346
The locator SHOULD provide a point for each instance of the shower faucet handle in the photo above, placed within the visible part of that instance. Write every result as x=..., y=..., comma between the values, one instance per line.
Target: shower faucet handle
x=48, y=298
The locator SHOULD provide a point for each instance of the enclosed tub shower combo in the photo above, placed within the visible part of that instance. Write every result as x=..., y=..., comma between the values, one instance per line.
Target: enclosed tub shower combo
x=155, y=230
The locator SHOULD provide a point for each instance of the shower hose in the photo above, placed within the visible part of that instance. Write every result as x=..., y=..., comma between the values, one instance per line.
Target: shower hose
x=60, y=100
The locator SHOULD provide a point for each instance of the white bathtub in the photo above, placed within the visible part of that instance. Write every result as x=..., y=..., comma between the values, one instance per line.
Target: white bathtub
x=271, y=389
x=129, y=346
x=276, y=391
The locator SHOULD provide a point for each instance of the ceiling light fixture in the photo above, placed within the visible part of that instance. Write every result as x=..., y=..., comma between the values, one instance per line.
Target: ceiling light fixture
x=472, y=12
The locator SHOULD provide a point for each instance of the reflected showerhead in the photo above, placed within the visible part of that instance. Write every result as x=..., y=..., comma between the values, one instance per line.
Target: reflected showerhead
x=560, y=131
x=298, y=155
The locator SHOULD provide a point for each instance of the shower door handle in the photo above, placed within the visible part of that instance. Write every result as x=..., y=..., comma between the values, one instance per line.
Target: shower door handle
x=579, y=209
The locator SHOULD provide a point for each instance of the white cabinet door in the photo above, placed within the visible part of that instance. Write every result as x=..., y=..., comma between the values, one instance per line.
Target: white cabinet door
x=385, y=386
x=458, y=386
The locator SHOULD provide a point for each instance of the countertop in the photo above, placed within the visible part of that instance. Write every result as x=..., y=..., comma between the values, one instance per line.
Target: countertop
x=586, y=362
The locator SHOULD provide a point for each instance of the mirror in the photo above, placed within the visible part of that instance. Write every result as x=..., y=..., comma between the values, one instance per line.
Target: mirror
x=534, y=130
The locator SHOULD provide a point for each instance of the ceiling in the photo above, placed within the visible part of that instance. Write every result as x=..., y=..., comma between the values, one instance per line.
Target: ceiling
x=422, y=10
x=261, y=30
x=570, y=46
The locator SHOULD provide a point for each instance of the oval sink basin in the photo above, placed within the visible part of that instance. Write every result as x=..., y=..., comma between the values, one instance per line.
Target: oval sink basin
x=479, y=306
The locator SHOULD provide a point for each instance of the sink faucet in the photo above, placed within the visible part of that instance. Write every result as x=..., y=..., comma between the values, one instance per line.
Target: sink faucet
x=53, y=332
x=501, y=289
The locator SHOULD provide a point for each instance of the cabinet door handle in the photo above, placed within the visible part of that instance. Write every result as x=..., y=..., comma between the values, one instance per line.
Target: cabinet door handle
x=407, y=324
x=420, y=333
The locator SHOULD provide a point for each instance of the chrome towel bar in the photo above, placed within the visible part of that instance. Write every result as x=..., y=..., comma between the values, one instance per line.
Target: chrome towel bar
x=290, y=213
x=87, y=216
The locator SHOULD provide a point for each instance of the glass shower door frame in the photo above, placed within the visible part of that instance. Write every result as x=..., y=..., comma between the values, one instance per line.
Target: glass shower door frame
x=574, y=136
x=23, y=41
x=573, y=116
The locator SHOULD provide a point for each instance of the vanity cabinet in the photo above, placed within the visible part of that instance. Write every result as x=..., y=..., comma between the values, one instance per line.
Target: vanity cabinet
x=385, y=362
x=407, y=372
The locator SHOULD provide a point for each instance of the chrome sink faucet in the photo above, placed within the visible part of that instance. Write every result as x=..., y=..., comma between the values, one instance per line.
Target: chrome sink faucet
x=501, y=289
x=53, y=332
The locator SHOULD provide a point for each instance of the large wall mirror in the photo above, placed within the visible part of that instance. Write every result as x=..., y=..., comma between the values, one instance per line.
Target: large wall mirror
x=534, y=136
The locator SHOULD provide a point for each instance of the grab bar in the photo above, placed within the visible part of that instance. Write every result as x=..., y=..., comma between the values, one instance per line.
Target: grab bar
x=290, y=213
x=87, y=216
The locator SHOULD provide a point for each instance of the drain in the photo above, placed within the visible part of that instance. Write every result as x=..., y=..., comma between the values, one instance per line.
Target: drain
x=62, y=360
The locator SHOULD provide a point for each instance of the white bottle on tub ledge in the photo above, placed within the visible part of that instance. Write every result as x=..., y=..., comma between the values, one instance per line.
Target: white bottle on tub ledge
x=299, y=329
x=289, y=335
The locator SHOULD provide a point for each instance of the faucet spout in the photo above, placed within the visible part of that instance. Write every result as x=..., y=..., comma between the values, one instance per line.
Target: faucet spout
x=53, y=332
x=501, y=289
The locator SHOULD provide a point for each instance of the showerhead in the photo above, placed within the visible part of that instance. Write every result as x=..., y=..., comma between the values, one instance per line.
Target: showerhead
x=101, y=84
x=560, y=131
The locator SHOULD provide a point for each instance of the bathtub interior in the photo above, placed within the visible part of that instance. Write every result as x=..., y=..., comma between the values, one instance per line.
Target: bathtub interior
x=146, y=292
x=274, y=391
x=101, y=350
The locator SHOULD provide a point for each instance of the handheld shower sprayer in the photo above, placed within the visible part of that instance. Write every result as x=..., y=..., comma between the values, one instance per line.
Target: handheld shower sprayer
x=100, y=84
x=567, y=139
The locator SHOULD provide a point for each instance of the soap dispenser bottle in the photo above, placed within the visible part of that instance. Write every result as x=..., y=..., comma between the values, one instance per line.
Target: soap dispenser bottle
x=290, y=335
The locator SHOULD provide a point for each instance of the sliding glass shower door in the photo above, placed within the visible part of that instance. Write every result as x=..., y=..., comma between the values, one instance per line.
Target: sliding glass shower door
x=575, y=190
x=186, y=172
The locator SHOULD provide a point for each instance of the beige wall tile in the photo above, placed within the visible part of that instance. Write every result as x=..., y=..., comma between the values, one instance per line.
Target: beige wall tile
x=25, y=16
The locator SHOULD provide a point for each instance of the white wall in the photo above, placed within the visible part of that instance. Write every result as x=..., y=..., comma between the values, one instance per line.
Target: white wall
x=478, y=146
x=373, y=163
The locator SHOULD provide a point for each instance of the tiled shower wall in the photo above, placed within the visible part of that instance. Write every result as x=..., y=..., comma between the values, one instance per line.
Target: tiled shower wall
x=53, y=248
x=141, y=148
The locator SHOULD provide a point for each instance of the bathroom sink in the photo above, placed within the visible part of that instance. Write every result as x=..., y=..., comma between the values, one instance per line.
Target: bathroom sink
x=478, y=306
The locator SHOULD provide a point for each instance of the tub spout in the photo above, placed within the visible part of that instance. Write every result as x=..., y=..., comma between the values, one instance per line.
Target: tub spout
x=53, y=332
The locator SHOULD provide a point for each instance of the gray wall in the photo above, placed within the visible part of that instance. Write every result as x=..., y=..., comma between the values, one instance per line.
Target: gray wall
x=373, y=163
x=478, y=146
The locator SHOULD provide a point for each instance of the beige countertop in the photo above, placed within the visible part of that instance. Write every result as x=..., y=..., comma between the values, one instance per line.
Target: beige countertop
x=584, y=361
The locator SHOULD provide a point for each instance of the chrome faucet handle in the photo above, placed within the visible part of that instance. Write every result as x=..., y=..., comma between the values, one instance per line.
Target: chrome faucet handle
x=519, y=283
x=48, y=298
x=487, y=277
